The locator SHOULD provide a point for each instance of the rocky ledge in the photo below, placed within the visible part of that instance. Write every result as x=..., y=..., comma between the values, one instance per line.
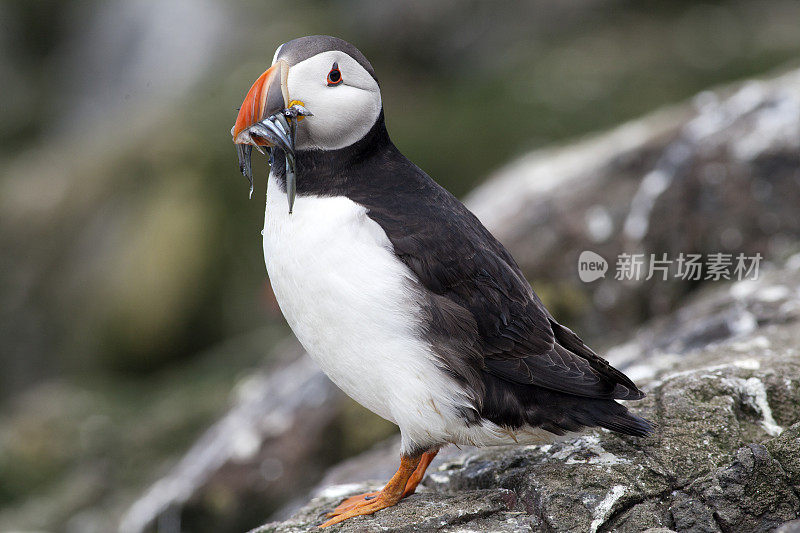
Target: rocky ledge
x=723, y=383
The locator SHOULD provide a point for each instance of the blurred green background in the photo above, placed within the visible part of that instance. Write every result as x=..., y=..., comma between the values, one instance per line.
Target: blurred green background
x=133, y=294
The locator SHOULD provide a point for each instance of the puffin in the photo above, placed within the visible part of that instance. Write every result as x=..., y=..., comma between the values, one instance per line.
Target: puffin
x=396, y=290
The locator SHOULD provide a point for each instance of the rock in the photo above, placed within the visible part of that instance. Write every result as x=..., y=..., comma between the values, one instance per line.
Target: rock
x=752, y=494
x=251, y=445
x=485, y=510
x=725, y=455
x=279, y=435
x=789, y=527
x=720, y=175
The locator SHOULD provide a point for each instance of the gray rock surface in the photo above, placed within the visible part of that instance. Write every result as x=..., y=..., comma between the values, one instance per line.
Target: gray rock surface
x=718, y=175
x=271, y=411
x=725, y=455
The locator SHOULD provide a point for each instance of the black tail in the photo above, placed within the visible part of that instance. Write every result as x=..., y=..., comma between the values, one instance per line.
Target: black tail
x=623, y=421
x=610, y=415
x=514, y=405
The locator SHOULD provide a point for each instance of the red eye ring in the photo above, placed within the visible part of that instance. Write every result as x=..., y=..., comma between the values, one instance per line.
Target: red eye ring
x=334, y=76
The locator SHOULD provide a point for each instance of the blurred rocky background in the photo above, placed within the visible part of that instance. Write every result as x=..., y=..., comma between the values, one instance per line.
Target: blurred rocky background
x=139, y=340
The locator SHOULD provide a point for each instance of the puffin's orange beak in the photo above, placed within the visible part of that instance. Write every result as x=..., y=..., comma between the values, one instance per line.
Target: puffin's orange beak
x=267, y=96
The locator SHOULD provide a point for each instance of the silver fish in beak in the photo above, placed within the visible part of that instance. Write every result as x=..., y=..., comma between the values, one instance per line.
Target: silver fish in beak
x=267, y=120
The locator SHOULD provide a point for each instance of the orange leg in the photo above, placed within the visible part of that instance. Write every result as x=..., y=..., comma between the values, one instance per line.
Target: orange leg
x=411, y=486
x=419, y=473
x=387, y=497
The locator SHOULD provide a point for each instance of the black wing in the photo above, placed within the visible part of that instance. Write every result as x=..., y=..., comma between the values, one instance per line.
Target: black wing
x=468, y=271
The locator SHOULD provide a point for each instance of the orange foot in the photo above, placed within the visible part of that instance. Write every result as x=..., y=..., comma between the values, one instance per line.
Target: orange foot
x=402, y=484
x=351, y=501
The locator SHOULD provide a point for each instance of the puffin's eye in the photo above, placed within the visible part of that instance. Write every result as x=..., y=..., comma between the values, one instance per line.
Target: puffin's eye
x=334, y=76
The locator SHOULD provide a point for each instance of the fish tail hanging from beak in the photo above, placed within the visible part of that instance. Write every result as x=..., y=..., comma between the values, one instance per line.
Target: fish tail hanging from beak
x=289, y=123
x=266, y=119
x=292, y=116
x=244, y=151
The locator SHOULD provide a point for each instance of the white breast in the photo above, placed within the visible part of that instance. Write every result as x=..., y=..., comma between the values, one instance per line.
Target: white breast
x=350, y=303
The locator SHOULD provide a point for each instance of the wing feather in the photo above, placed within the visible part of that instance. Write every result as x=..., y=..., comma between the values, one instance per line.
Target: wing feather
x=455, y=257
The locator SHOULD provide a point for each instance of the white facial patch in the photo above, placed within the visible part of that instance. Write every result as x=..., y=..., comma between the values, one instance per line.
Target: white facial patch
x=343, y=113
